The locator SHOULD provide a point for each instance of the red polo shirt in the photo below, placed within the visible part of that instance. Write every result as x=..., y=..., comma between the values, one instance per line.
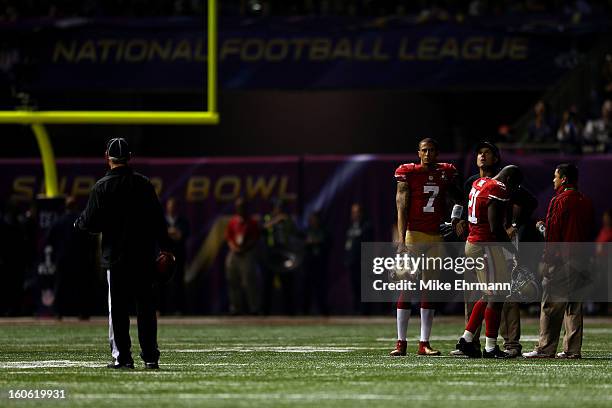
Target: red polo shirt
x=570, y=218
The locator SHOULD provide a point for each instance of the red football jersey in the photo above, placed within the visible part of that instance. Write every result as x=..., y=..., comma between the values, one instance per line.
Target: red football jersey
x=427, y=189
x=483, y=191
x=239, y=230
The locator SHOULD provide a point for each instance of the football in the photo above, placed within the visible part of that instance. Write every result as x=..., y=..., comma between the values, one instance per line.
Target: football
x=165, y=265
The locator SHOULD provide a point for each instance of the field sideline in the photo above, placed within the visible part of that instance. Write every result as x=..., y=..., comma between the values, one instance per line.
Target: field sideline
x=339, y=362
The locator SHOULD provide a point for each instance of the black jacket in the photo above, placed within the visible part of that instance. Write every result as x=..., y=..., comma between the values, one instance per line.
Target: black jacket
x=123, y=206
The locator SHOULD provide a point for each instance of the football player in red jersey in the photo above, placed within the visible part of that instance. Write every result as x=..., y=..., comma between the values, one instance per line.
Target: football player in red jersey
x=518, y=220
x=487, y=208
x=421, y=195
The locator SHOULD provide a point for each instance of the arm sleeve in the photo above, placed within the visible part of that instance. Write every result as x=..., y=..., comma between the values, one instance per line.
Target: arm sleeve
x=160, y=228
x=92, y=218
x=526, y=202
x=455, y=188
x=553, y=222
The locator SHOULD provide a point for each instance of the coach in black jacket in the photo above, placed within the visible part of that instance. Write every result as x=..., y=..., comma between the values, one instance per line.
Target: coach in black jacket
x=123, y=207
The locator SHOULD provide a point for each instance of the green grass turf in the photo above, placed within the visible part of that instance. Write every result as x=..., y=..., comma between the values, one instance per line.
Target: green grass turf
x=341, y=364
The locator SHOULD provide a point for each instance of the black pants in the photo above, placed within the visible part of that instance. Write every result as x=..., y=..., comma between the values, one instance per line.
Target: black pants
x=125, y=289
x=315, y=283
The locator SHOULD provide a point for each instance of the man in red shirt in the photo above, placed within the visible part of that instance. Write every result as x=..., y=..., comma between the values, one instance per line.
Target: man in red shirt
x=487, y=208
x=569, y=219
x=421, y=203
x=241, y=234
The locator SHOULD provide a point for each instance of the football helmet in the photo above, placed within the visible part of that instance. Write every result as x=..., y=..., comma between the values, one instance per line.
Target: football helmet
x=408, y=270
x=524, y=286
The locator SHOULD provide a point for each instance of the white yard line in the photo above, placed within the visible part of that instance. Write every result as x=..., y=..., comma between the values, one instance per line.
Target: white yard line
x=326, y=396
x=447, y=338
x=274, y=349
x=95, y=364
x=383, y=361
x=50, y=364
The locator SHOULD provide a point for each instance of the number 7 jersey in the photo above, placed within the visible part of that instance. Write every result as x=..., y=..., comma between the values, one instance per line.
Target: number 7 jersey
x=427, y=190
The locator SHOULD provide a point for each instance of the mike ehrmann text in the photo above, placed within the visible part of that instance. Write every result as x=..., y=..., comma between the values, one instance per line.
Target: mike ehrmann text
x=436, y=285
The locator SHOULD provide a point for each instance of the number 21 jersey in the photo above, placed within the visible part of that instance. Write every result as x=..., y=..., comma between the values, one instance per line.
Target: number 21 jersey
x=483, y=191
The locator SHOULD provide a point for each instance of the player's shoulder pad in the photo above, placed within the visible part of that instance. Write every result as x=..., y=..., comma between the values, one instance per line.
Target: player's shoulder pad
x=403, y=170
x=498, y=190
x=499, y=184
x=448, y=167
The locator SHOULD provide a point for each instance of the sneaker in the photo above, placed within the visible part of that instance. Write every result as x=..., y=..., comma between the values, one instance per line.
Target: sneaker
x=467, y=349
x=536, y=354
x=119, y=366
x=426, y=350
x=495, y=353
x=568, y=355
x=459, y=353
x=154, y=365
x=513, y=353
x=400, y=348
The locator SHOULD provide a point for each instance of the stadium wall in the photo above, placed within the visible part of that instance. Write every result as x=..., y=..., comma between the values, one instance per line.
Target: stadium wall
x=208, y=186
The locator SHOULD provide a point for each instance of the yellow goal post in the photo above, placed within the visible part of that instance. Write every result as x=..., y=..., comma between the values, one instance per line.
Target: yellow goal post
x=37, y=119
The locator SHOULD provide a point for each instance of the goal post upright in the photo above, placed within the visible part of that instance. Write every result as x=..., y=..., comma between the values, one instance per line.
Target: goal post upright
x=48, y=160
x=212, y=60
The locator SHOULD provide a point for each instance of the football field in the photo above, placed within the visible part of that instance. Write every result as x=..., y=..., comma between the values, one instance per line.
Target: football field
x=340, y=362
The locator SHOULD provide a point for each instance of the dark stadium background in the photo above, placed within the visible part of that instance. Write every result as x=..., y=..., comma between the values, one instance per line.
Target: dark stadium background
x=314, y=114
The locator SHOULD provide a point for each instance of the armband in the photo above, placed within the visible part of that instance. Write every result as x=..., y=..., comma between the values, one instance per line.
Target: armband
x=457, y=211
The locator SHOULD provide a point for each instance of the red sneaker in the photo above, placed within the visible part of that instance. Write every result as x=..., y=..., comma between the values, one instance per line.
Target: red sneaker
x=426, y=350
x=400, y=348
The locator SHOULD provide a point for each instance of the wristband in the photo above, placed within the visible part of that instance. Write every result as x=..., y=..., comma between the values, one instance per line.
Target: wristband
x=457, y=211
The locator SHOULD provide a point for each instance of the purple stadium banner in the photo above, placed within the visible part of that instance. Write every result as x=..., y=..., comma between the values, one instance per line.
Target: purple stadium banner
x=207, y=188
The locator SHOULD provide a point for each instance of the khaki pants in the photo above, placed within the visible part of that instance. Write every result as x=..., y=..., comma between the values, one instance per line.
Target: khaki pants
x=241, y=273
x=510, y=327
x=552, y=315
x=556, y=310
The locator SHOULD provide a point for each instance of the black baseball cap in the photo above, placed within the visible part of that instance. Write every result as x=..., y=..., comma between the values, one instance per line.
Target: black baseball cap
x=118, y=150
x=490, y=146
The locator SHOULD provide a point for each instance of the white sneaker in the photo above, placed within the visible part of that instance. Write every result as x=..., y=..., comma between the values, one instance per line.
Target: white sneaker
x=536, y=354
x=568, y=355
